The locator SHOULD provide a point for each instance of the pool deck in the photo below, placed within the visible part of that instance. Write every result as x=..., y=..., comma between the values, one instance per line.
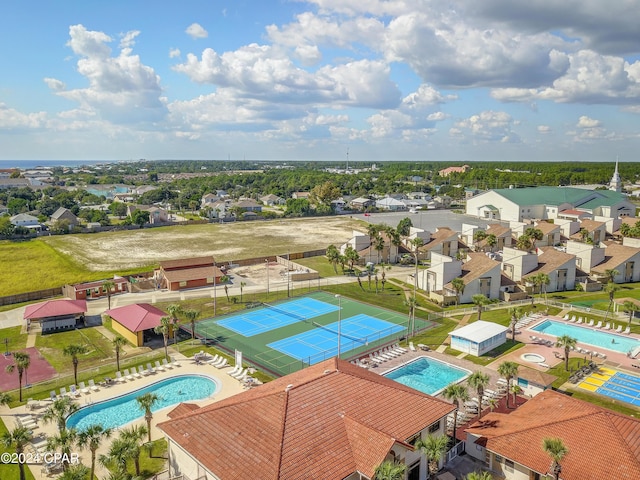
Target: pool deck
x=228, y=387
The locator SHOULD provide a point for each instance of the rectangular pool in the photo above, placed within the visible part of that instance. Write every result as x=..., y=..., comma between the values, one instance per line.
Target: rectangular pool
x=428, y=375
x=592, y=336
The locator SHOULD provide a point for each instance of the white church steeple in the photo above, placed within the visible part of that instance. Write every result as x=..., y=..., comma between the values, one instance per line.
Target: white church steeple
x=616, y=183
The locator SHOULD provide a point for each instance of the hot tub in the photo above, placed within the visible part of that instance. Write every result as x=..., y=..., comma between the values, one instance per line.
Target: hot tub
x=532, y=357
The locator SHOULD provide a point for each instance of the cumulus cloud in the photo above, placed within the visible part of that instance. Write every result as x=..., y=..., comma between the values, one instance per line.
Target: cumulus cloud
x=544, y=129
x=195, y=30
x=174, y=52
x=586, y=122
x=13, y=120
x=487, y=126
x=121, y=88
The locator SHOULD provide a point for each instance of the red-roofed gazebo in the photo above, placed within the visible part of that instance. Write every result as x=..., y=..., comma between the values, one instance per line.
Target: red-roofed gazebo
x=55, y=315
x=132, y=321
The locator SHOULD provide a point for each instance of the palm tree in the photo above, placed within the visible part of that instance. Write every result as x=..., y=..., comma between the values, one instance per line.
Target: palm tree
x=458, y=285
x=332, y=255
x=164, y=328
x=523, y=243
x=63, y=442
x=351, y=256
x=433, y=447
x=118, y=343
x=543, y=281
x=378, y=245
x=132, y=436
x=59, y=411
x=479, y=300
x=18, y=439
x=456, y=393
x=225, y=279
x=631, y=308
x=566, y=342
x=108, y=286
x=389, y=470
x=5, y=398
x=242, y=285
x=479, y=476
x=192, y=315
x=534, y=235
x=174, y=310
x=611, y=274
x=75, y=472
x=412, y=303
x=491, y=241
x=515, y=390
x=121, y=450
x=611, y=289
x=508, y=370
x=91, y=438
x=22, y=360
x=514, y=312
x=557, y=450
x=479, y=381
x=146, y=402
x=478, y=236
x=73, y=350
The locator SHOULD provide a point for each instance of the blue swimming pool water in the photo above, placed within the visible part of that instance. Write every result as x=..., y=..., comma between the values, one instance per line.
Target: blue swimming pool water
x=596, y=337
x=124, y=409
x=427, y=375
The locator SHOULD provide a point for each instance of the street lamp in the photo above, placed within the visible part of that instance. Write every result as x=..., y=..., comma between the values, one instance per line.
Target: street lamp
x=266, y=260
x=215, y=297
x=339, y=297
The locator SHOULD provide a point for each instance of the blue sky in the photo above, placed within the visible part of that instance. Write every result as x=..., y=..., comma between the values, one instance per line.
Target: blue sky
x=461, y=80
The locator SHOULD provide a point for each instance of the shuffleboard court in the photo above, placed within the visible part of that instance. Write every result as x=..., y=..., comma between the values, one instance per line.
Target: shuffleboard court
x=268, y=318
x=321, y=343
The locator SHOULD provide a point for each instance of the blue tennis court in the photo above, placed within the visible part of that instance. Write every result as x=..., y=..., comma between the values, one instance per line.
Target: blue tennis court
x=319, y=344
x=264, y=319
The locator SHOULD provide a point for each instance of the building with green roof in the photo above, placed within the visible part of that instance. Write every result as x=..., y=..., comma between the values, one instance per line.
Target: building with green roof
x=518, y=204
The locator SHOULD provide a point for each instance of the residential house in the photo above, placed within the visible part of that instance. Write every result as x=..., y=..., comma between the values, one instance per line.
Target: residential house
x=478, y=338
x=416, y=203
x=517, y=264
x=560, y=267
x=624, y=259
x=443, y=201
x=503, y=236
x=245, y=205
x=209, y=200
x=64, y=214
x=510, y=444
x=391, y=204
x=299, y=195
x=362, y=203
x=587, y=255
x=338, y=205
x=272, y=200
x=542, y=203
x=550, y=234
x=362, y=243
x=14, y=183
x=567, y=227
x=25, y=220
x=188, y=273
x=595, y=231
x=157, y=215
x=443, y=241
x=331, y=421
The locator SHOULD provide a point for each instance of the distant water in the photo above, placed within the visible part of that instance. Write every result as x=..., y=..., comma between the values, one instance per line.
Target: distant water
x=26, y=164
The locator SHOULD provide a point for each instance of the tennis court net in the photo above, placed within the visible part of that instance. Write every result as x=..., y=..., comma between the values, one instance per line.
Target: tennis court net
x=354, y=339
x=285, y=312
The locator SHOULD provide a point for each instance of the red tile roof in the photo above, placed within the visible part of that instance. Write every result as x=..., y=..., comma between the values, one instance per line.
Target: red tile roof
x=326, y=421
x=137, y=317
x=601, y=443
x=55, y=308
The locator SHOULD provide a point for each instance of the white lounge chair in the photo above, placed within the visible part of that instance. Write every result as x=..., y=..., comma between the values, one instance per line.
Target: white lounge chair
x=236, y=369
x=566, y=317
x=73, y=391
x=599, y=324
x=52, y=395
x=243, y=376
x=240, y=374
x=174, y=362
x=579, y=320
x=159, y=367
x=166, y=364
x=119, y=377
x=83, y=388
x=128, y=375
x=619, y=329
x=411, y=347
x=573, y=319
x=93, y=386
x=223, y=364
x=137, y=373
x=627, y=331
x=63, y=392
x=403, y=350
x=590, y=323
x=607, y=326
x=150, y=369
x=215, y=359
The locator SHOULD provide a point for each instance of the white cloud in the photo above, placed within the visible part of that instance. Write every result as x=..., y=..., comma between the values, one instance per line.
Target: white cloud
x=544, y=129
x=13, y=120
x=586, y=122
x=195, y=30
x=487, y=126
x=308, y=55
x=121, y=88
x=54, y=84
x=174, y=52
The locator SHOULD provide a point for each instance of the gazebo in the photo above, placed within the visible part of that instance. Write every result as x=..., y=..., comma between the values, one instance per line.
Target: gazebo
x=55, y=315
x=478, y=338
x=132, y=321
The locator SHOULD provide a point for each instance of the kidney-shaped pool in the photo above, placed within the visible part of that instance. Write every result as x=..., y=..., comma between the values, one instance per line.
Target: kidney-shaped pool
x=121, y=410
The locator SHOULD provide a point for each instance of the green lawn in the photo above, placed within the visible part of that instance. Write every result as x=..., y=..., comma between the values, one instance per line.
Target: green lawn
x=16, y=340
x=491, y=356
x=321, y=265
x=8, y=471
x=51, y=346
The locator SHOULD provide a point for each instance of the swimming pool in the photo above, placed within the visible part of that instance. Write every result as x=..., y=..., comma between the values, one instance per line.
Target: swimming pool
x=124, y=409
x=596, y=337
x=428, y=375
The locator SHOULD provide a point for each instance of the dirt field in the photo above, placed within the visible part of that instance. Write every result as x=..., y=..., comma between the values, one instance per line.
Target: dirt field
x=112, y=251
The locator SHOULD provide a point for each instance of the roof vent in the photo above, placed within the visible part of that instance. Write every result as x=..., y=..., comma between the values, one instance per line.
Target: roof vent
x=289, y=387
x=327, y=371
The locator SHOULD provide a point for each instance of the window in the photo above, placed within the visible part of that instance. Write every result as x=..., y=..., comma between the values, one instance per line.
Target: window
x=434, y=427
x=183, y=284
x=499, y=459
x=412, y=440
x=508, y=465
